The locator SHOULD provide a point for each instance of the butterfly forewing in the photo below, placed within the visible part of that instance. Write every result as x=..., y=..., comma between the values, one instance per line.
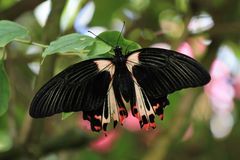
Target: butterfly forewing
x=80, y=87
x=160, y=72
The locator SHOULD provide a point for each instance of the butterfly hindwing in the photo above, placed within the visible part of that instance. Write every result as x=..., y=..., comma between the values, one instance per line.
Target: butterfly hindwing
x=80, y=87
x=160, y=71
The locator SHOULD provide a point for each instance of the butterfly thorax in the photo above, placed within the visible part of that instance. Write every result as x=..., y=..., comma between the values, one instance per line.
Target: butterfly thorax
x=119, y=59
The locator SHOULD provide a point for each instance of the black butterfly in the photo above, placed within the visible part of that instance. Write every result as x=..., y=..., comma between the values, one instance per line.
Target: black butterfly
x=101, y=87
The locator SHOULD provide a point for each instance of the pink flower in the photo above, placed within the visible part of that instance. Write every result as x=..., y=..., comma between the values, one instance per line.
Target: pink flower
x=236, y=84
x=186, y=49
x=221, y=94
x=199, y=45
x=219, y=70
x=104, y=143
x=220, y=89
x=84, y=124
x=131, y=123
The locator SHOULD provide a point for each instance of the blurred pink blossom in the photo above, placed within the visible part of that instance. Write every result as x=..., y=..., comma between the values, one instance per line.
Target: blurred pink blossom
x=131, y=123
x=221, y=94
x=220, y=89
x=105, y=140
x=84, y=124
x=186, y=49
x=224, y=86
x=236, y=84
x=219, y=70
x=104, y=143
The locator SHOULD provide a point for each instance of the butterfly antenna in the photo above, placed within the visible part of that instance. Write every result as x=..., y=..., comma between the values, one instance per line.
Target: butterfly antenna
x=121, y=32
x=101, y=39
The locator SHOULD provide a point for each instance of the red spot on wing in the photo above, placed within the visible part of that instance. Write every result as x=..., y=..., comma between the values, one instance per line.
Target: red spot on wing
x=122, y=114
x=97, y=128
x=135, y=112
x=98, y=117
x=161, y=116
x=153, y=125
x=146, y=127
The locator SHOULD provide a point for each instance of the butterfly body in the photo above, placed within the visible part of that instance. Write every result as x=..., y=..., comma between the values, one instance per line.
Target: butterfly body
x=102, y=87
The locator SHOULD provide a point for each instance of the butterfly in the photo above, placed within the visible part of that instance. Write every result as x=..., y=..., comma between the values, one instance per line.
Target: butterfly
x=101, y=87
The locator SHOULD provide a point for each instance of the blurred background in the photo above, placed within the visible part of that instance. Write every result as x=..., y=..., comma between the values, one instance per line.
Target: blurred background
x=199, y=124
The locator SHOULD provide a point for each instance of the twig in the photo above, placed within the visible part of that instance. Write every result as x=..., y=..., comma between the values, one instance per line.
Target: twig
x=32, y=129
x=19, y=8
x=72, y=139
x=31, y=43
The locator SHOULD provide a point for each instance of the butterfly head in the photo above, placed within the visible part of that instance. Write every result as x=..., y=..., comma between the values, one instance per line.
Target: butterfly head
x=118, y=51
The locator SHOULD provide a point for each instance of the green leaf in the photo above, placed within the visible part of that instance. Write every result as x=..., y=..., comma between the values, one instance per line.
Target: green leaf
x=218, y=3
x=66, y=115
x=5, y=141
x=107, y=11
x=182, y=5
x=4, y=90
x=76, y=43
x=10, y=31
x=6, y=4
x=69, y=43
x=113, y=38
x=99, y=48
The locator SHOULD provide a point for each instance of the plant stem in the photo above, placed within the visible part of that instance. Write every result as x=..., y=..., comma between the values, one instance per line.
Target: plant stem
x=3, y=53
x=31, y=43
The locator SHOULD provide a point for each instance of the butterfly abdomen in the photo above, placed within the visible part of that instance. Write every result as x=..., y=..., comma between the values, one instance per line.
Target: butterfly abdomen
x=123, y=82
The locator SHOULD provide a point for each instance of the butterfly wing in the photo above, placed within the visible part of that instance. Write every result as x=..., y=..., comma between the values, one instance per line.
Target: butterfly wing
x=160, y=71
x=80, y=87
x=156, y=73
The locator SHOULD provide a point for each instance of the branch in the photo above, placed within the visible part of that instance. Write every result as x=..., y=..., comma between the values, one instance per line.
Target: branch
x=225, y=29
x=72, y=139
x=19, y=8
x=32, y=129
x=225, y=16
x=31, y=43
